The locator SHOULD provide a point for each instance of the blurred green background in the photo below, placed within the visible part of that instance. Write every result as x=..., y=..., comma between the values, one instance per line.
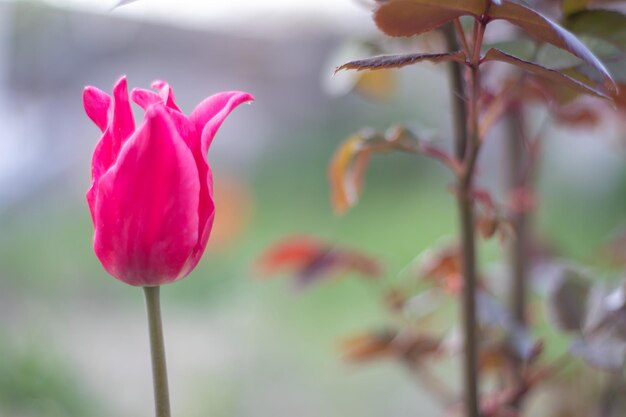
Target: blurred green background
x=73, y=340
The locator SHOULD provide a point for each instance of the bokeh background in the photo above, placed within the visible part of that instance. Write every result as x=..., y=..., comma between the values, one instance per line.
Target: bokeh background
x=73, y=341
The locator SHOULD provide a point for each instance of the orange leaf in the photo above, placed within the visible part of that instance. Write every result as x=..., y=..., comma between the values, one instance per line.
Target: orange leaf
x=368, y=346
x=310, y=259
x=344, y=191
x=292, y=253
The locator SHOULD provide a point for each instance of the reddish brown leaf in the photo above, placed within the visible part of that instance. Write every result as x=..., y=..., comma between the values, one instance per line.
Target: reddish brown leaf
x=536, y=69
x=544, y=30
x=405, y=346
x=417, y=347
x=487, y=225
x=443, y=267
x=521, y=200
x=368, y=346
x=398, y=61
x=395, y=299
x=578, y=115
x=493, y=357
x=293, y=253
x=310, y=259
x=412, y=17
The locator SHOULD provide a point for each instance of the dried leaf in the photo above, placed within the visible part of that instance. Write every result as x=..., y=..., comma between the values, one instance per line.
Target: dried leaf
x=536, y=69
x=398, y=61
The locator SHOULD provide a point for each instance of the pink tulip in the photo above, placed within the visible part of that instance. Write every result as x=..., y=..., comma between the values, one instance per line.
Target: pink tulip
x=151, y=196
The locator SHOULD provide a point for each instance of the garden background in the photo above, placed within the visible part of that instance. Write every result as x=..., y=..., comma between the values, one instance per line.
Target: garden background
x=73, y=340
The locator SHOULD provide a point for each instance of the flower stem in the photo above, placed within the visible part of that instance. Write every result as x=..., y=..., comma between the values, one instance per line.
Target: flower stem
x=157, y=348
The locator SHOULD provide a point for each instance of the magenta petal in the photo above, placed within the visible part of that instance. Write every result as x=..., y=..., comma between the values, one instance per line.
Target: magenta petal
x=146, y=206
x=166, y=92
x=145, y=98
x=96, y=103
x=210, y=113
x=123, y=123
x=120, y=126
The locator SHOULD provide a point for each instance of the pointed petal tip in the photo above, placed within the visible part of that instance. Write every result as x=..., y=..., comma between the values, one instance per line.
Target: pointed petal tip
x=240, y=97
x=96, y=104
x=158, y=84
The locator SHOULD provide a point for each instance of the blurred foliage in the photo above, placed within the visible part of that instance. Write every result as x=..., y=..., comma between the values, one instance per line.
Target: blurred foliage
x=35, y=382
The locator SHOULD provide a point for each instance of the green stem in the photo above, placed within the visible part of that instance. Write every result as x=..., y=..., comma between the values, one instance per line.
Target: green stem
x=157, y=348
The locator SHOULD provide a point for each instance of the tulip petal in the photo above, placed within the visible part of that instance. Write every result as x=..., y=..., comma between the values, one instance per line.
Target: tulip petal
x=210, y=113
x=119, y=128
x=166, y=92
x=146, y=206
x=123, y=124
x=145, y=98
x=96, y=103
x=207, y=118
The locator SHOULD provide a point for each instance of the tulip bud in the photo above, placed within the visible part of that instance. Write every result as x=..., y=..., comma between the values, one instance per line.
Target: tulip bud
x=151, y=196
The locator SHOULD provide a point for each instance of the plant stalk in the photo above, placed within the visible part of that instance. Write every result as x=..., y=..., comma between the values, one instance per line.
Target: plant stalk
x=467, y=144
x=457, y=95
x=157, y=349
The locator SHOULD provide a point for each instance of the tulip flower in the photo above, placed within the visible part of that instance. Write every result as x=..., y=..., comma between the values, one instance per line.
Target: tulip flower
x=151, y=196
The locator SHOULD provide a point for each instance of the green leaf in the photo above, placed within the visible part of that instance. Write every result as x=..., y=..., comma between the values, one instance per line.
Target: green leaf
x=607, y=25
x=572, y=6
x=522, y=48
x=567, y=300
